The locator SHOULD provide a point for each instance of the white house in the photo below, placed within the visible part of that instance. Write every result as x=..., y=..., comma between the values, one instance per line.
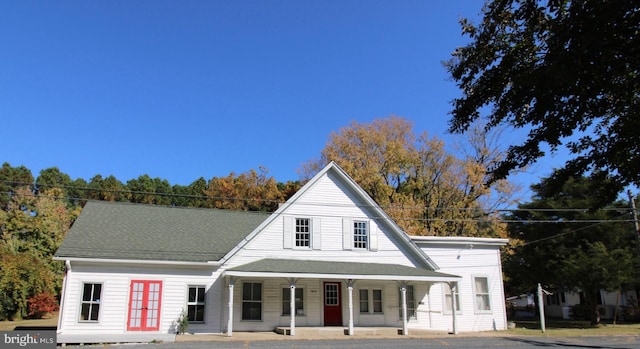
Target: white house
x=329, y=256
x=558, y=304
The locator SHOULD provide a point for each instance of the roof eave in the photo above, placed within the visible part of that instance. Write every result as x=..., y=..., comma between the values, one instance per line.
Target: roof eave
x=135, y=261
x=340, y=276
x=459, y=240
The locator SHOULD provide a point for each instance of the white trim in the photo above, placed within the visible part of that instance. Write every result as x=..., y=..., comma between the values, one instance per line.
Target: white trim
x=340, y=276
x=134, y=261
x=459, y=240
x=475, y=294
x=446, y=287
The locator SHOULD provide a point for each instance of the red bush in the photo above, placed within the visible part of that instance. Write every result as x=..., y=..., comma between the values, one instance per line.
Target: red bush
x=42, y=304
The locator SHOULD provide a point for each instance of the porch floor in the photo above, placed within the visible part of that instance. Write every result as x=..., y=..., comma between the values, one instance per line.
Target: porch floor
x=340, y=330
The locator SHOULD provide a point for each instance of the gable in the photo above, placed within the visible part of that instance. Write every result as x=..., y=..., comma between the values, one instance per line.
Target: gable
x=113, y=230
x=332, y=208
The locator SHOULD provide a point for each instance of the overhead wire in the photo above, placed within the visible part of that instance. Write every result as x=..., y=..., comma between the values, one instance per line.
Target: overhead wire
x=275, y=201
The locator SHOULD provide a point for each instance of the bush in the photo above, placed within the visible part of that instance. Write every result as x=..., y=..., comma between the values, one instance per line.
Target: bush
x=42, y=304
x=580, y=312
x=631, y=312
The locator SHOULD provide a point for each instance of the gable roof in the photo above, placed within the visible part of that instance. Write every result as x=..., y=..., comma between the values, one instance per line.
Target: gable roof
x=366, y=202
x=125, y=231
x=295, y=268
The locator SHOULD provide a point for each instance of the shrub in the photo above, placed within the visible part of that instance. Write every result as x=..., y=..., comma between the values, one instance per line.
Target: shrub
x=42, y=304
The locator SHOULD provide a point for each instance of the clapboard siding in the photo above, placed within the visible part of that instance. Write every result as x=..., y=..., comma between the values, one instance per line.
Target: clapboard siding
x=468, y=261
x=115, y=297
x=328, y=201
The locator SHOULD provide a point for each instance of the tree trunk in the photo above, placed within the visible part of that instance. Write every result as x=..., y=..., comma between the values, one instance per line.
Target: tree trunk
x=592, y=302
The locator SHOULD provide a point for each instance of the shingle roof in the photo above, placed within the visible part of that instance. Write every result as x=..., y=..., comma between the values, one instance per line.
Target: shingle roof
x=110, y=230
x=294, y=266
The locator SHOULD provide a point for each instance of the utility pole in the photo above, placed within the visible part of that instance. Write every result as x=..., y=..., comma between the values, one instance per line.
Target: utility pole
x=541, y=308
x=635, y=213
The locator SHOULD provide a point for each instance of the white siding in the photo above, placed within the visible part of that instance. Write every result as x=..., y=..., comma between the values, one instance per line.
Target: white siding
x=328, y=202
x=115, y=297
x=468, y=262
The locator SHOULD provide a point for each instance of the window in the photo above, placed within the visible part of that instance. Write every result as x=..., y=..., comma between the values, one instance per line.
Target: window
x=481, y=289
x=370, y=301
x=377, y=301
x=252, y=301
x=364, y=301
x=90, y=305
x=411, y=303
x=303, y=237
x=360, y=235
x=195, y=304
x=448, y=299
x=286, y=301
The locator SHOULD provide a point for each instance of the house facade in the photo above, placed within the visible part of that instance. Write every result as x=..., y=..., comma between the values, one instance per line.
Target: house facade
x=329, y=256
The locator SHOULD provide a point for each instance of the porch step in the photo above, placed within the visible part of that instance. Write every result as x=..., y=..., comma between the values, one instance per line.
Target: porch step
x=340, y=331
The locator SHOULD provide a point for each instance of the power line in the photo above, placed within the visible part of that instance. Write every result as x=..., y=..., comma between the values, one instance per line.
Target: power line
x=572, y=231
x=275, y=201
x=414, y=219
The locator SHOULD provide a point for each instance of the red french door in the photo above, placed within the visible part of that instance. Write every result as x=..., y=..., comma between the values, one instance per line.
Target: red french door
x=144, y=305
x=332, y=307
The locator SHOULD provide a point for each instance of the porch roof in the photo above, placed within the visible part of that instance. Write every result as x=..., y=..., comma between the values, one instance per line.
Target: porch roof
x=294, y=268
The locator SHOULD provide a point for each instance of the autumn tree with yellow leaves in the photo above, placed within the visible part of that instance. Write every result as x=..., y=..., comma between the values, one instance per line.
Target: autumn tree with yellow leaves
x=423, y=187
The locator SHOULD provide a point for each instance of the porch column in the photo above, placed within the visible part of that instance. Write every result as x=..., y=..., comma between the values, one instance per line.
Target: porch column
x=230, y=320
x=403, y=292
x=350, y=288
x=292, y=307
x=454, y=304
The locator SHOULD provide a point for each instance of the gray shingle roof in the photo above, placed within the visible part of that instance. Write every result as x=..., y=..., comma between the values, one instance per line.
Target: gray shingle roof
x=292, y=266
x=111, y=230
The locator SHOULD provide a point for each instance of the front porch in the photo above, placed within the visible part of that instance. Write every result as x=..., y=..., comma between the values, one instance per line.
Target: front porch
x=294, y=295
x=337, y=331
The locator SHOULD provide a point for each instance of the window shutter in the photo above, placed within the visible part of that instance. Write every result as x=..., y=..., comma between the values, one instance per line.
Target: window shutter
x=316, y=234
x=373, y=236
x=287, y=233
x=347, y=234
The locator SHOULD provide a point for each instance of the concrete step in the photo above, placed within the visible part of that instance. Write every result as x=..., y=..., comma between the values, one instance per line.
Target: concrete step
x=340, y=331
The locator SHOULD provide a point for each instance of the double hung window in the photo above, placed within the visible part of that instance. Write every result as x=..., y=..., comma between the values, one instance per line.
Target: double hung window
x=90, y=304
x=286, y=301
x=196, y=304
x=481, y=291
x=252, y=301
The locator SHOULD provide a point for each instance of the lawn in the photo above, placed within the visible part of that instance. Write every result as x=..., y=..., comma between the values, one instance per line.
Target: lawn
x=554, y=328
x=573, y=328
x=10, y=325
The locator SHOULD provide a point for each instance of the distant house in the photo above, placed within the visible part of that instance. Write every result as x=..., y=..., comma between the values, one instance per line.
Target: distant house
x=559, y=304
x=329, y=256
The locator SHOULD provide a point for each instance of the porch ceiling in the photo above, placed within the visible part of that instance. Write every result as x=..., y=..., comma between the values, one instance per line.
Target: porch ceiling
x=293, y=268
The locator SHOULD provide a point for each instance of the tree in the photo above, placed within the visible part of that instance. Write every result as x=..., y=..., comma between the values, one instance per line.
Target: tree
x=12, y=178
x=31, y=230
x=250, y=191
x=52, y=177
x=561, y=243
x=566, y=71
x=422, y=187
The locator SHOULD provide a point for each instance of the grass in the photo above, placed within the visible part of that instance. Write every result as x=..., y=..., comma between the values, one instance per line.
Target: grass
x=10, y=325
x=554, y=328
x=573, y=328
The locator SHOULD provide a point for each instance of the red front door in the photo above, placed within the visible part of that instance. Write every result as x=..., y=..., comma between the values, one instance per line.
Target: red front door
x=332, y=308
x=144, y=305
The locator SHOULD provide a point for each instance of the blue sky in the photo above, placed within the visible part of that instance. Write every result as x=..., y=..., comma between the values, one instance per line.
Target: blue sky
x=187, y=89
